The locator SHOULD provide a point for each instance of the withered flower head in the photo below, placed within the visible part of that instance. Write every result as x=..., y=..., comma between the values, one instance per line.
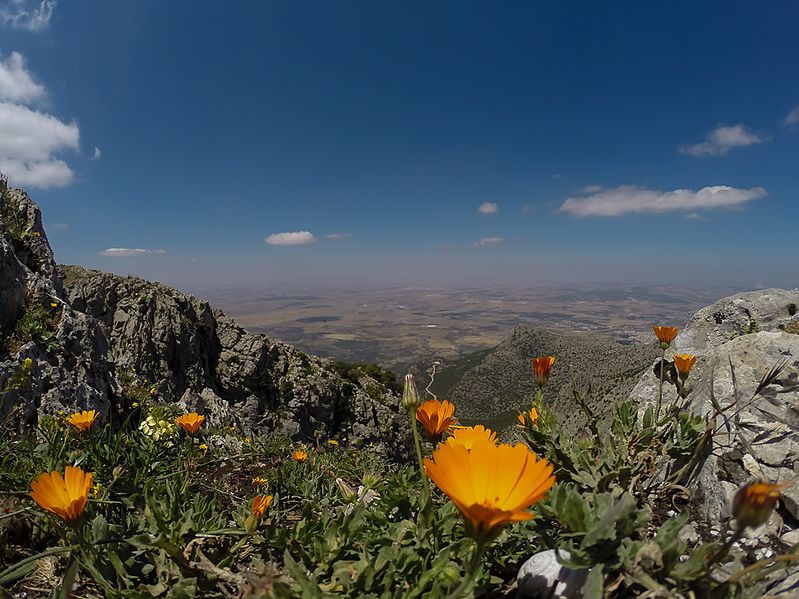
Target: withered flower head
x=755, y=501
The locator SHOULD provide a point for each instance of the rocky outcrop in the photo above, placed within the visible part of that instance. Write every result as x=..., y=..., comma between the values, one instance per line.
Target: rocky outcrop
x=68, y=351
x=739, y=340
x=96, y=332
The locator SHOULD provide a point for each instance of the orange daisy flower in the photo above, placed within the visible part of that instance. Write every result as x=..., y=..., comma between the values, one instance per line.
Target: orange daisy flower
x=65, y=497
x=300, y=455
x=83, y=421
x=436, y=417
x=530, y=416
x=259, y=505
x=665, y=335
x=683, y=363
x=471, y=436
x=190, y=422
x=491, y=485
x=755, y=501
x=541, y=368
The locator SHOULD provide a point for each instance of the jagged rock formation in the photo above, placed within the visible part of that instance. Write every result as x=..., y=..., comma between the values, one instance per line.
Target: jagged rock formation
x=496, y=383
x=738, y=340
x=90, y=330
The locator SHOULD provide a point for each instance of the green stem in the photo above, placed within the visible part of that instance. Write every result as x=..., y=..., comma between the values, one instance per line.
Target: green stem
x=660, y=388
x=417, y=442
x=474, y=565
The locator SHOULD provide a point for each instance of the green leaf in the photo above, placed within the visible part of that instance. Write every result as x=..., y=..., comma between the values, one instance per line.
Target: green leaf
x=594, y=583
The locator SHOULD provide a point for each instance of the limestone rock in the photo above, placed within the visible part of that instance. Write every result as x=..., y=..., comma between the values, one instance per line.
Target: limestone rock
x=746, y=334
x=542, y=577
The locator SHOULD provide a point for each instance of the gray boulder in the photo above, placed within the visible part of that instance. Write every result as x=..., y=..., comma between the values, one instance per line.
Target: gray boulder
x=738, y=340
x=542, y=577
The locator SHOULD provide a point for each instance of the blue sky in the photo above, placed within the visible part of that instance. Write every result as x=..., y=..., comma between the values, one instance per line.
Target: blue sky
x=204, y=143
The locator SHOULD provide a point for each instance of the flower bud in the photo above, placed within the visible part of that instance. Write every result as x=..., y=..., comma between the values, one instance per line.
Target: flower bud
x=755, y=501
x=410, y=396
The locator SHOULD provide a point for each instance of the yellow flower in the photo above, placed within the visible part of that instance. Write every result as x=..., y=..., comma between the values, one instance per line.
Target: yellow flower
x=260, y=503
x=300, y=455
x=491, y=485
x=332, y=442
x=684, y=363
x=530, y=416
x=203, y=446
x=97, y=490
x=190, y=422
x=541, y=368
x=259, y=480
x=247, y=440
x=665, y=335
x=83, y=421
x=65, y=497
x=755, y=501
x=471, y=436
x=436, y=417
x=53, y=305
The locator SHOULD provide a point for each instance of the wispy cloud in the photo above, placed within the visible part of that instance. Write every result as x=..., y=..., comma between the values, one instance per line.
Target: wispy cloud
x=792, y=118
x=31, y=15
x=488, y=208
x=488, y=241
x=592, y=188
x=31, y=139
x=97, y=153
x=123, y=252
x=695, y=216
x=723, y=139
x=338, y=236
x=631, y=199
x=290, y=238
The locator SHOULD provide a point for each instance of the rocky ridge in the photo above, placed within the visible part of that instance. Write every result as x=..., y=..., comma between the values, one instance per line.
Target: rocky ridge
x=86, y=332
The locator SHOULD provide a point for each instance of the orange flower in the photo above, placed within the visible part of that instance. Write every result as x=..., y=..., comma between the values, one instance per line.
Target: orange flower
x=190, y=422
x=436, y=417
x=471, y=436
x=83, y=421
x=260, y=503
x=491, y=485
x=300, y=455
x=754, y=502
x=530, y=416
x=684, y=363
x=541, y=368
x=665, y=335
x=65, y=497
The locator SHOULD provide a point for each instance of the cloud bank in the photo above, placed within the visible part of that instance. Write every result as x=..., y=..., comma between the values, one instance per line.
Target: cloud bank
x=632, y=199
x=123, y=252
x=723, y=139
x=290, y=238
x=31, y=140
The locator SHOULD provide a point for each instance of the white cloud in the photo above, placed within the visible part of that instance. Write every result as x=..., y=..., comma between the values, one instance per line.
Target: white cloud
x=291, y=238
x=695, y=216
x=32, y=15
x=488, y=241
x=16, y=83
x=123, y=252
x=631, y=199
x=488, y=208
x=338, y=236
x=97, y=153
x=792, y=118
x=592, y=188
x=723, y=139
x=30, y=139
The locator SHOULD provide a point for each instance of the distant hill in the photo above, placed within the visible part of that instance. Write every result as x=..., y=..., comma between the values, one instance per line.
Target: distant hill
x=491, y=386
